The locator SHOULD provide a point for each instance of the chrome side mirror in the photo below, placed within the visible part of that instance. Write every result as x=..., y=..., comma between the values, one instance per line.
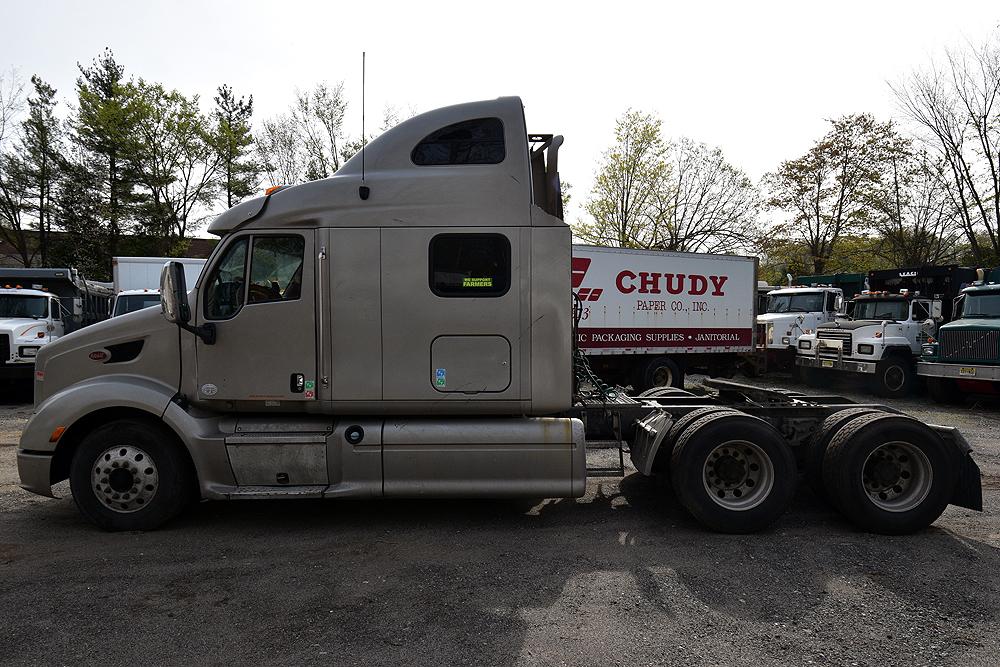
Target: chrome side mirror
x=174, y=300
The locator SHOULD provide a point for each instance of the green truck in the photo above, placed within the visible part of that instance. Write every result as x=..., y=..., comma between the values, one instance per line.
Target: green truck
x=964, y=357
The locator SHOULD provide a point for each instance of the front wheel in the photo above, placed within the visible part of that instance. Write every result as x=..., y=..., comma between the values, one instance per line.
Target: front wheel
x=733, y=472
x=130, y=475
x=893, y=377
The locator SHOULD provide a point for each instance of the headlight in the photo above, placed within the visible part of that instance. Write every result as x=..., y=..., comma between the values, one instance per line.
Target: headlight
x=785, y=340
x=866, y=348
x=805, y=344
x=928, y=350
x=27, y=351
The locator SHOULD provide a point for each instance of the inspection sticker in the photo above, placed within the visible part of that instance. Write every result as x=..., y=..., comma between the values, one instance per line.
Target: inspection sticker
x=439, y=377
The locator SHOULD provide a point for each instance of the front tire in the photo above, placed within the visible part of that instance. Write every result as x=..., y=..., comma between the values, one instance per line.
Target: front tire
x=893, y=377
x=733, y=472
x=130, y=475
x=888, y=473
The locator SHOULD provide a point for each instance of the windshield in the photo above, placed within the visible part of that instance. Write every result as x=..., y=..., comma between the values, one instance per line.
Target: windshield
x=986, y=304
x=133, y=302
x=12, y=305
x=795, y=303
x=867, y=309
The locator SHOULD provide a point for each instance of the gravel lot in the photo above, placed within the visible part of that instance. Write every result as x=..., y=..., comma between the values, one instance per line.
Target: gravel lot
x=619, y=577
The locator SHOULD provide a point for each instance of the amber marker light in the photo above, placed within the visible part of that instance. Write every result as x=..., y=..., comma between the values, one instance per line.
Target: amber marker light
x=56, y=434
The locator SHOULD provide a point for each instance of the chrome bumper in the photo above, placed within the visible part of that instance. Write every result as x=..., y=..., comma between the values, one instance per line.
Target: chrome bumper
x=958, y=371
x=850, y=365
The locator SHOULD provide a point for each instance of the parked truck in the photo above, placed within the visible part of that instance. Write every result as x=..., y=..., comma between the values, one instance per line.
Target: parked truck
x=407, y=331
x=964, y=356
x=791, y=312
x=887, y=325
x=137, y=280
x=647, y=317
x=37, y=307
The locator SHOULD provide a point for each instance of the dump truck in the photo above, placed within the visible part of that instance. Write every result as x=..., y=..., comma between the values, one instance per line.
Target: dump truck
x=790, y=313
x=647, y=317
x=964, y=356
x=406, y=329
x=880, y=340
x=38, y=306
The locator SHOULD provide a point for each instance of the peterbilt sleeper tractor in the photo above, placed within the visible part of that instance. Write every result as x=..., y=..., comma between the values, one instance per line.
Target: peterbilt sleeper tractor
x=406, y=328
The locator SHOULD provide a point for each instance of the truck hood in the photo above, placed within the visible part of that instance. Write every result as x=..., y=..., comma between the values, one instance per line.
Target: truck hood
x=779, y=317
x=850, y=325
x=18, y=326
x=972, y=324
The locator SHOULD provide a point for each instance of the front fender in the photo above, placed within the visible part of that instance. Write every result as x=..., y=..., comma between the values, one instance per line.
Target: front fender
x=68, y=406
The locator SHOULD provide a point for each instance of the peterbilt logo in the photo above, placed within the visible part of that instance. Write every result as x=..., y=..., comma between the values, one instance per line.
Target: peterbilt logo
x=98, y=355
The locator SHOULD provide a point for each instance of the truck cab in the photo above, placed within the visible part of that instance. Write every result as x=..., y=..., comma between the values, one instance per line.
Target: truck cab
x=881, y=339
x=790, y=313
x=29, y=319
x=964, y=357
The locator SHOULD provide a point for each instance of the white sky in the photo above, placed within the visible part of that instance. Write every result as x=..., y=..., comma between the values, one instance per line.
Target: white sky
x=756, y=78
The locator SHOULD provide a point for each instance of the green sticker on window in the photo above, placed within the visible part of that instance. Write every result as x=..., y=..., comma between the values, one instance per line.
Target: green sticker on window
x=477, y=282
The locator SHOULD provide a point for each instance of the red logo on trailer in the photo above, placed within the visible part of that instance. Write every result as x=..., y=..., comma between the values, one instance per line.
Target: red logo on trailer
x=579, y=267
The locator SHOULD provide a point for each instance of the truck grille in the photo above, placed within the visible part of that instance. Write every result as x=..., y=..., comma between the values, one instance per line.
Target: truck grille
x=969, y=345
x=4, y=349
x=836, y=334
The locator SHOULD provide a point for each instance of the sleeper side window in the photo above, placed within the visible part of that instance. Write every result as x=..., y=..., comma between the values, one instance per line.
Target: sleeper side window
x=478, y=141
x=276, y=268
x=225, y=286
x=470, y=265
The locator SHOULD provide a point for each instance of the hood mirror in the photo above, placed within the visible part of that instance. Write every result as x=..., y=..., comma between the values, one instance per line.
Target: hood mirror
x=174, y=300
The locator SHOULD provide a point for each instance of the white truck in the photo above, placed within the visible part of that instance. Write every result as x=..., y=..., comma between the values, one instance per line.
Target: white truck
x=646, y=317
x=887, y=325
x=137, y=280
x=792, y=312
x=37, y=307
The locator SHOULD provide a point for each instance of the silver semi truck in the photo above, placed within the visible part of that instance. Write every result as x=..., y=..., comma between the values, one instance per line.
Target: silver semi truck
x=405, y=328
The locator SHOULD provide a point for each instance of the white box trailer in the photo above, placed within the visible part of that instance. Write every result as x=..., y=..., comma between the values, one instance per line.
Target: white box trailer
x=136, y=273
x=646, y=317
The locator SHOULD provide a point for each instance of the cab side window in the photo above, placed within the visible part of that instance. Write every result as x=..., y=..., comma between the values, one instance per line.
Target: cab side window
x=478, y=141
x=225, y=286
x=56, y=311
x=470, y=265
x=920, y=312
x=276, y=268
x=831, y=301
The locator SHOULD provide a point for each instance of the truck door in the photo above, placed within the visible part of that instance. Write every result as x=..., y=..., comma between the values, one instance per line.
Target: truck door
x=259, y=294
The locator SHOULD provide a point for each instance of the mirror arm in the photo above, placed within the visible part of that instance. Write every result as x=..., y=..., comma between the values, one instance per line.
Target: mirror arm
x=206, y=331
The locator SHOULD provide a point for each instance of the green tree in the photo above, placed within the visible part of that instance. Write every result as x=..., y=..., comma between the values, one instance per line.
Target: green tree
x=834, y=189
x=233, y=142
x=622, y=205
x=41, y=139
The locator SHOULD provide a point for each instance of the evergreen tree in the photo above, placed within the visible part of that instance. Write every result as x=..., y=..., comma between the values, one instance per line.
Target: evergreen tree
x=233, y=141
x=41, y=159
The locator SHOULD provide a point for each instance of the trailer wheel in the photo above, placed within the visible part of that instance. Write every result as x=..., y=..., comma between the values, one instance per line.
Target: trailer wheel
x=733, y=472
x=129, y=475
x=893, y=377
x=944, y=391
x=662, y=372
x=888, y=473
x=815, y=448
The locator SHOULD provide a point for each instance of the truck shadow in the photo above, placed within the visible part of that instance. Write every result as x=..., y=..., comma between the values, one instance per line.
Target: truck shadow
x=485, y=582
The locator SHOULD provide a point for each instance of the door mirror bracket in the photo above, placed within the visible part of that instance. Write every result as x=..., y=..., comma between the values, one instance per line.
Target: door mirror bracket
x=174, y=301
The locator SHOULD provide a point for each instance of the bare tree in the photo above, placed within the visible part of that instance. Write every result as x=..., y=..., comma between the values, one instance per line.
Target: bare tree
x=11, y=103
x=957, y=105
x=707, y=204
x=832, y=190
x=630, y=175
x=319, y=117
x=279, y=150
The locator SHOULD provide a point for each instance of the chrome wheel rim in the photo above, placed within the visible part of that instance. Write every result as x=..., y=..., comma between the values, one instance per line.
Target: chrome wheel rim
x=124, y=478
x=897, y=476
x=738, y=475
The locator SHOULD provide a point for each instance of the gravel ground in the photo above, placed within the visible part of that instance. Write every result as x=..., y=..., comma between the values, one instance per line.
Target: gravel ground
x=619, y=577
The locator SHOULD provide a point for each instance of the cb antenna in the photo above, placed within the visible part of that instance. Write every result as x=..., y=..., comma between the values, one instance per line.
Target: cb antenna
x=364, y=190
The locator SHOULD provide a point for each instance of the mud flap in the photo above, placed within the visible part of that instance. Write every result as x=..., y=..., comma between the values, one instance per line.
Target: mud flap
x=969, y=486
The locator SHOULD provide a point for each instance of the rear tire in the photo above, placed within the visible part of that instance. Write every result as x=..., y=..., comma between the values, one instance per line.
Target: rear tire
x=889, y=474
x=815, y=449
x=662, y=372
x=130, y=475
x=734, y=473
x=893, y=377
